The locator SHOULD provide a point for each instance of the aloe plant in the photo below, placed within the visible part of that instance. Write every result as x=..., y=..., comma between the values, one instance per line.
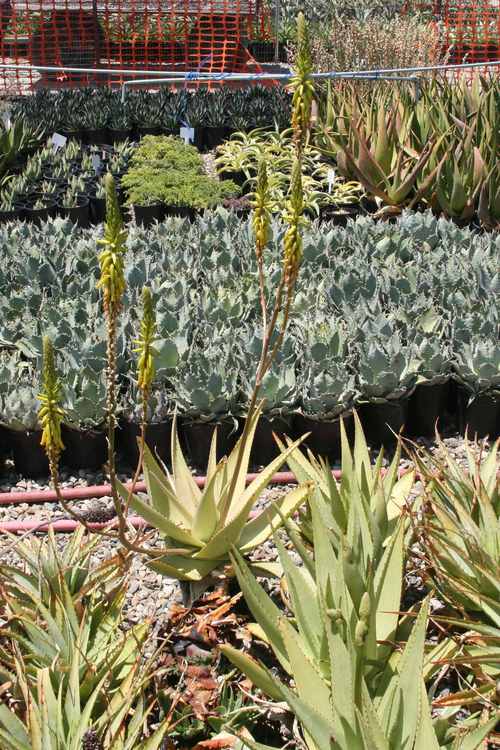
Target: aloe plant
x=351, y=688
x=200, y=526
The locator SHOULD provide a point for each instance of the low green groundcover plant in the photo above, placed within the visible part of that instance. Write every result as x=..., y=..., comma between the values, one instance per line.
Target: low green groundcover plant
x=166, y=170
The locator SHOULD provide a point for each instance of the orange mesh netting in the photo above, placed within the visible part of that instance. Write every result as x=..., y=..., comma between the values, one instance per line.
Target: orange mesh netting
x=469, y=30
x=152, y=35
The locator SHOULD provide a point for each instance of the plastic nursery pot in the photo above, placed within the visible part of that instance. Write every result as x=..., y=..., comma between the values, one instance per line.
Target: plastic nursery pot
x=324, y=439
x=158, y=436
x=39, y=215
x=197, y=437
x=30, y=459
x=264, y=447
x=382, y=422
x=95, y=137
x=83, y=449
x=118, y=136
x=143, y=130
x=480, y=416
x=79, y=215
x=146, y=215
x=183, y=212
x=97, y=210
x=14, y=215
x=427, y=406
x=5, y=444
x=338, y=215
x=215, y=136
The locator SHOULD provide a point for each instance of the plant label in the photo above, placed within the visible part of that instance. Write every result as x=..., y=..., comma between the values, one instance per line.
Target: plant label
x=96, y=163
x=331, y=177
x=58, y=141
x=187, y=134
x=6, y=118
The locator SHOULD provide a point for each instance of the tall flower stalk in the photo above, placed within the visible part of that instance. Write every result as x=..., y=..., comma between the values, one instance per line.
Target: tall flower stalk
x=112, y=285
x=144, y=348
x=302, y=86
x=51, y=413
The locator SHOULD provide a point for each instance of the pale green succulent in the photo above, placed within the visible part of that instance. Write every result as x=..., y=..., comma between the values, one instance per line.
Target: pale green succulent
x=200, y=526
x=384, y=370
x=478, y=365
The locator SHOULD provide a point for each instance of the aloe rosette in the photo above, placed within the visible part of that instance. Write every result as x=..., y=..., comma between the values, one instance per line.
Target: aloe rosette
x=203, y=525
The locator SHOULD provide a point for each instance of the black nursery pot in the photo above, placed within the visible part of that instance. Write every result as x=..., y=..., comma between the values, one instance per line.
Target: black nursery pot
x=158, y=437
x=146, y=215
x=39, y=215
x=264, y=447
x=183, y=212
x=197, y=437
x=426, y=408
x=383, y=422
x=143, y=130
x=480, y=417
x=16, y=213
x=95, y=137
x=30, y=459
x=338, y=215
x=324, y=439
x=84, y=449
x=5, y=444
x=97, y=210
x=215, y=136
x=238, y=177
x=79, y=215
x=118, y=136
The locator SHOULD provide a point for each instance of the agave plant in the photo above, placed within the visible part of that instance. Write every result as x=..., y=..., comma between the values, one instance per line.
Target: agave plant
x=460, y=535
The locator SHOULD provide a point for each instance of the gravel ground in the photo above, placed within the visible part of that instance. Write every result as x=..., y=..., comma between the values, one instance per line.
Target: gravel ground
x=150, y=594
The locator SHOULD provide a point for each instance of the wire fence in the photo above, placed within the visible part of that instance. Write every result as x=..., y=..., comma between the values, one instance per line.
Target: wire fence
x=60, y=43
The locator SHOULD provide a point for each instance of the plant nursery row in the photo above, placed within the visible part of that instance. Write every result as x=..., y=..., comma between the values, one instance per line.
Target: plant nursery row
x=100, y=116
x=160, y=175
x=396, y=320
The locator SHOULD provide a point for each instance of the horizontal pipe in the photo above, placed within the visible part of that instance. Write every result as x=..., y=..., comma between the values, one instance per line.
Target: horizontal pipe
x=34, y=497
x=195, y=75
x=65, y=526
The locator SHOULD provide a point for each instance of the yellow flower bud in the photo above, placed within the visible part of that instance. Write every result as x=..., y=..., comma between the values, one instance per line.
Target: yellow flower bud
x=51, y=414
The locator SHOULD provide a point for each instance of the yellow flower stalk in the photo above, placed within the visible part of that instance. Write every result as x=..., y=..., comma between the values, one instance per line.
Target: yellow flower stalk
x=112, y=280
x=292, y=245
x=144, y=344
x=51, y=413
x=302, y=85
x=262, y=205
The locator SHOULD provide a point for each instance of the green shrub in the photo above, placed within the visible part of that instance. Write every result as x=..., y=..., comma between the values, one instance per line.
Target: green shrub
x=166, y=170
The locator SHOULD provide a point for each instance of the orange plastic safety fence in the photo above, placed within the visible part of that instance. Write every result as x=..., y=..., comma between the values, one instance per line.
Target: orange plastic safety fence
x=469, y=30
x=147, y=35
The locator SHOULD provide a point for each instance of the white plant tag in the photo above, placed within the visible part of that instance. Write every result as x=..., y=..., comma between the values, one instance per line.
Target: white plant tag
x=58, y=141
x=187, y=134
x=96, y=163
x=6, y=118
x=331, y=177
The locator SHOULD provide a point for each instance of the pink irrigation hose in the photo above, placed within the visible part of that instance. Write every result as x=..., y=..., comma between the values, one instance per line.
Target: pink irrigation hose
x=100, y=490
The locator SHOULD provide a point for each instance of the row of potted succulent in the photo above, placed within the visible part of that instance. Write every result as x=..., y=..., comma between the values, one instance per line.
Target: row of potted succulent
x=100, y=116
x=162, y=176
x=63, y=182
x=380, y=323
